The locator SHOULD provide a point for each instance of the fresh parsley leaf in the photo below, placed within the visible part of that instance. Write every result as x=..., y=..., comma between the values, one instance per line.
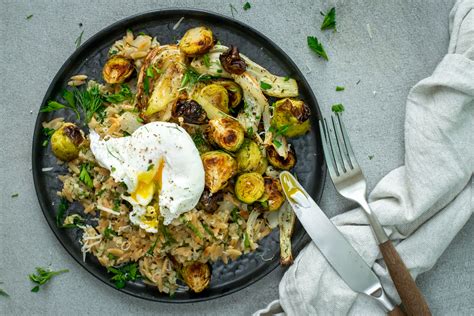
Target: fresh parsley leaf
x=317, y=47
x=191, y=77
x=29, y=16
x=149, y=72
x=337, y=108
x=206, y=60
x=247, y=6
x=151, y=166
x=42, y=276
x=219, y=71
x=277, y=143
x=48, y=132
x=124, y=94
x=246, y=240
x=52, y=106
x=90, y=100
x=265, y=86
x=121, y=275
x=235, y=214
x=62, y=208
x=141, y=33
x=111, y=256
x=146, y=85
x=339, y=88
x=329, y=21
x=109, y=233
x=85, y=177
x=281, y=130
x=153, y=246
x=79, y=39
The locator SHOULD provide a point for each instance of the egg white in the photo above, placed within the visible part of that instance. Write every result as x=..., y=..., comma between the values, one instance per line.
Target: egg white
x=182, y=177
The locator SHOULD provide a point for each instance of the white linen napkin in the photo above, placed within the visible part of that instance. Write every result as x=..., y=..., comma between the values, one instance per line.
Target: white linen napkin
x=422, y=205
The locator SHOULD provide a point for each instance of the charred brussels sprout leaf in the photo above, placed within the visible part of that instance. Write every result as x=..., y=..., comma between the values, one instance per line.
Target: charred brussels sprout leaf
x=249, y=187
x=232, y=62
x=278, y=161
x=117, y=69
x=66, y=141
x=197, y=41
x=226, y=133
x=291, y=117
x=197, y=276
x=219, y=167
x=249, y=157
x=190, y=111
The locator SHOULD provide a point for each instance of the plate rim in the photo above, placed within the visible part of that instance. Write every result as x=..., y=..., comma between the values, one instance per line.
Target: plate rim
x=81, y=49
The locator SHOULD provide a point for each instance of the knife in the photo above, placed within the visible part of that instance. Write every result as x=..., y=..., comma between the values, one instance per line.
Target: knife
x=333, y=245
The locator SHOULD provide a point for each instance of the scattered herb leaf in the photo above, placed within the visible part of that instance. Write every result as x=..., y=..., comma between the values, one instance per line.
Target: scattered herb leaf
x=277, y=143
x=73, y=221
x=48, y=132
x=191, y=77
x=42, y=276
x=124, y=94
x=109, y=233
x=153, y=246
x=62, y=208
x=250, y=131
x=151, y=166
x=337, y=108
x=84, y=176
x=265, y=86
x=286, y=78
x=29, y=16
x=339, y=88
x=247, y=6
x=90, y=100
x=123, y=274
x=317, y=47
x=235, y=214
x=246, y=240
x=15, y=195
x=206, y=60
x=371, y=157
x=329, y=21
x=79, y=39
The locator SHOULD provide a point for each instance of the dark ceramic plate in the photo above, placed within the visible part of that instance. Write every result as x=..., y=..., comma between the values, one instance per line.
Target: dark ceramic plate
x=89, y=59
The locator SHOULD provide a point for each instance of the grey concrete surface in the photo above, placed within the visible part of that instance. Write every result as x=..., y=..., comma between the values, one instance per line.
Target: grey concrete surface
x=408, y=39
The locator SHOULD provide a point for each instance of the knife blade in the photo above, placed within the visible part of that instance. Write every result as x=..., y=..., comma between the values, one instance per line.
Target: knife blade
x=345, y=260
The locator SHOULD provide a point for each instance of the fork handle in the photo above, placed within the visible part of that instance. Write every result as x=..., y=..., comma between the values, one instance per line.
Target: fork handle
x=411, y=296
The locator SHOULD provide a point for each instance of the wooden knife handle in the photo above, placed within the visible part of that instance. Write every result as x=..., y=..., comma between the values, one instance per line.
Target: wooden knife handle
x=412, y=299
x=397, y=311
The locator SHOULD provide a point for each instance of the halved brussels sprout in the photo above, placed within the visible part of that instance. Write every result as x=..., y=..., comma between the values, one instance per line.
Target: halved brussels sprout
x=273, y=193
x=117, y=69
x=226, y=133
x=66, y=141
x=233, y=90
x=190, y=111
x=291, y=117
x=249, y=157
x=197, y=276
x=278, y=161
x=215, y=95
x=262, y=165
x=196, y=41
x=249, y=187
x=219, y=167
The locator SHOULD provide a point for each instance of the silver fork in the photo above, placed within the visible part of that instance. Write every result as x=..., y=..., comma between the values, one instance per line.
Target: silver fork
x=350, y=182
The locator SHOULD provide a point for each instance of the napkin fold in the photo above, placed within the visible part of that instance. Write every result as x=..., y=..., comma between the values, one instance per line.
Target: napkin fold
x=422, y=205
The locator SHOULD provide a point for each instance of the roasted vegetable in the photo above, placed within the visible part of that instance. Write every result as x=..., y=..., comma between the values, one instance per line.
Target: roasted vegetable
x=66, y=141
x=196, y=41
x=273, y=195
x=225, y=133
x=215, y=95
x=278, y=161
x=232, y=62
x=262, y=165
x=249, y=187
x=219, y=167
x=209, y=202
x=286, y=222
x=190, y=111
x=117, y=69
x=249, y=157
x=197, y=276
x=233, y=90
x=290, y=117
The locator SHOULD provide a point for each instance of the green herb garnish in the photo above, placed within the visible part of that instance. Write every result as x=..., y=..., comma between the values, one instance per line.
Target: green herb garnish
x=337, y=108
x=235, y=214
x=146, y=85
x=29, y=16
x=286, y=78
x=124, y=94
x=48, y=132
x=250, y=131
x=207, y=229
x=329, y=20
x=15, y=195
x=153, y=246
x=79, y=39
x=149, y=72
x=42, y=276
x=191, y=77
x=123, y=274
x=339, y=88
x=194, y=229
x=109, y=233
x=3, y=293
x=140, y=120
x=76, y=222
x=111, y=256
x=371, y=157
x=62, y=208
x=277, y=143
x=317, y=47
x=206, y=60
x=168, y=237
x=247, y=6
x=90, y=100
x=84, y=176
x=246, y=240
x=151, y=166
x=265, y=86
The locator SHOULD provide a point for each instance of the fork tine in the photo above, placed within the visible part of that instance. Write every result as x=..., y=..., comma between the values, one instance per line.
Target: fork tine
x=327, y=151
x=348, y=145
x=341, y=144
x=332, y=146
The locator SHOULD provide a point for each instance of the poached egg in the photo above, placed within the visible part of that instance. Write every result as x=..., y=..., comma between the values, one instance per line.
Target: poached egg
x=161, y=168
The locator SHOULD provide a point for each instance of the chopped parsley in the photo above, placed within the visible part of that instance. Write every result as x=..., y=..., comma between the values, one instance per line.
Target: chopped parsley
x=109, y=233
x=235, y=215
x=128, y=272
x=247, y=6
x=329, y=21
x=84, y=176
x=42, y=276
x=208, y=230
x=73, y=221
x=146, y=85
x=246, y=240
x=265, y=86
x=124, y=94
x=153, y=246
x=286, y=78
x=337, y=108
x=339, y=88
x=48, y=132
x=29, y=16
x=191, y=77
x=90, y=100
x=151, y=166
x=317, y=47
x=206, y=60
x=277, y=143
x=15, y=195
x=62, y=208
x=250, y=131
x=139, y=120
x=149, y=72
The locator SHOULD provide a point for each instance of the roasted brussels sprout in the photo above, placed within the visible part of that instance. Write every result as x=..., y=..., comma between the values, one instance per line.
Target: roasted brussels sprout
x=225, y=133
x=197, y=276
x=274, y=196
x=262, y=165
x=117, y=69
x=196, y=41
x=215, y=95
x=249, y=157
x=233, y=90
x=232, y=62
x=249, y=187
x=65, y=142
x=190, y=111
x=278, y=161
x=209, y=202
x=219, y=167
x=291, y=117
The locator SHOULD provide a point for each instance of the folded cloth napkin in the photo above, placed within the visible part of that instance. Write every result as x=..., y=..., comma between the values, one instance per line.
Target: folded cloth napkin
x=422, y=205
